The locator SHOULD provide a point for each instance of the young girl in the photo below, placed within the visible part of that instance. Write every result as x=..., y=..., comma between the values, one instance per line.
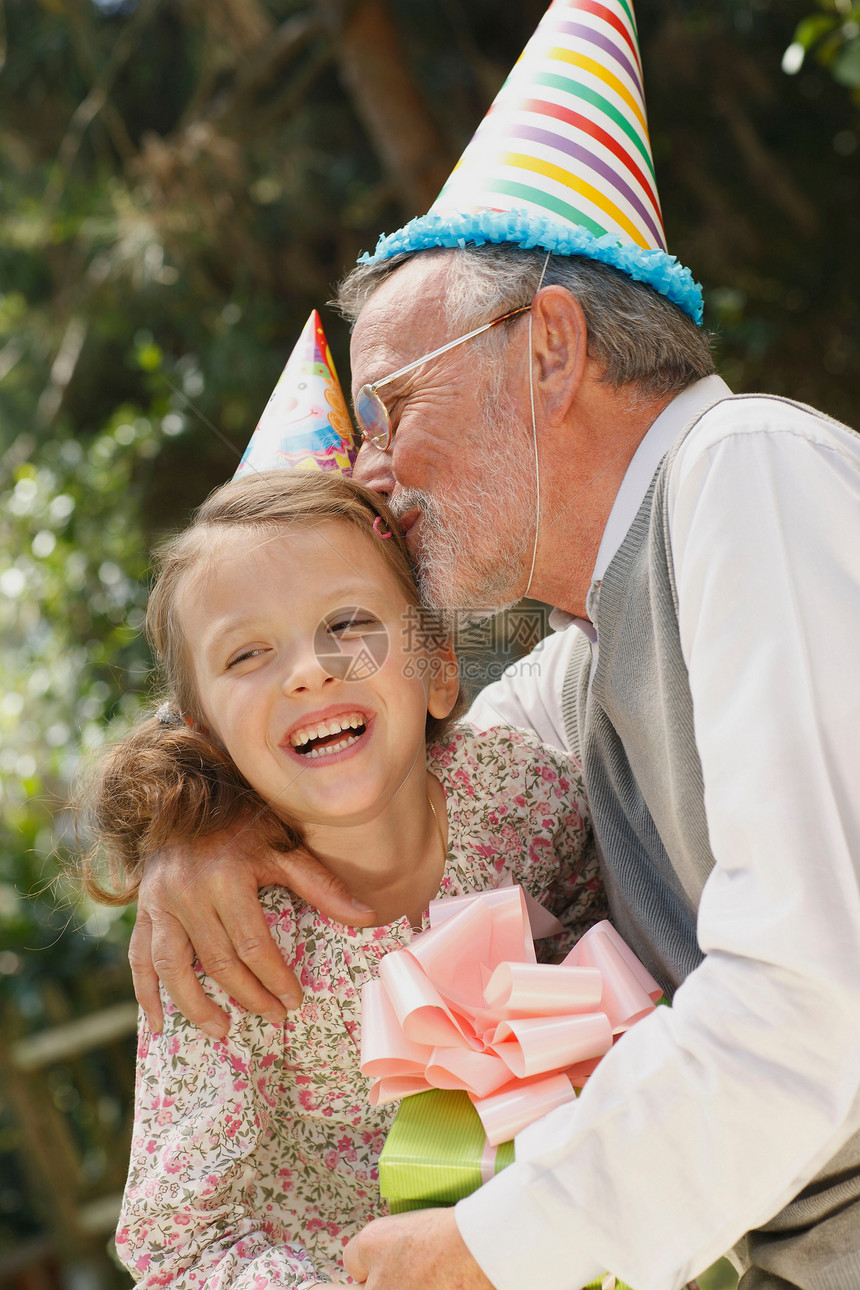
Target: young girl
x=306, y=685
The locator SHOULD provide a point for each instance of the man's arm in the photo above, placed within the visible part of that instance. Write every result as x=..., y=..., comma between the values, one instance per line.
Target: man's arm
x=708, y=1117
x=200, y=898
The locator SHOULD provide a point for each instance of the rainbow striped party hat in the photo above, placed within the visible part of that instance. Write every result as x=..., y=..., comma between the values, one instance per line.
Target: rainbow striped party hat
x=562, y=159
x=305, y=424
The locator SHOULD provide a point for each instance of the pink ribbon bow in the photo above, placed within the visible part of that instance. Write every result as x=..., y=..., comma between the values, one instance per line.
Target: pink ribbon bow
x=466, y=1006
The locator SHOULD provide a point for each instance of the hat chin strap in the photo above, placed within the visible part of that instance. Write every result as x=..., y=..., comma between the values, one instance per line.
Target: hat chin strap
x=534, y=434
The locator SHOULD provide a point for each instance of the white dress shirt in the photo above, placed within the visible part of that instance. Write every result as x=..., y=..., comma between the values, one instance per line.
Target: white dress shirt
x=708, y=1117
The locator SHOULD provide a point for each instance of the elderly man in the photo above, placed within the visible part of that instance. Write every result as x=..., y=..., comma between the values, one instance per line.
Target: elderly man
x=703, y=552
x=707, y=692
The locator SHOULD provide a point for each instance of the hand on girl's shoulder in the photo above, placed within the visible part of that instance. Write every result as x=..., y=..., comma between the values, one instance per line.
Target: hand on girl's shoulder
x=202, y=900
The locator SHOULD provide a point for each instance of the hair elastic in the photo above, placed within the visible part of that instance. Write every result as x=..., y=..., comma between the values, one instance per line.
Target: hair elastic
x=376, y=524
x=169, y=715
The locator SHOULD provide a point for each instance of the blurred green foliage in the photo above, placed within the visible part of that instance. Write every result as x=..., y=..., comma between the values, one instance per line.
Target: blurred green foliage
x=832, y=37
x=180, y=183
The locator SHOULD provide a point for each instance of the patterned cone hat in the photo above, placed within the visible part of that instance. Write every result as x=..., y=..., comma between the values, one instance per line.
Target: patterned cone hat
x=562, y=159
x=305, y=424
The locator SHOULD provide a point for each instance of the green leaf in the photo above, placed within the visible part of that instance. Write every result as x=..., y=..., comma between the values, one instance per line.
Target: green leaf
x=845, y=67
x=149, y=357
x=812, y=29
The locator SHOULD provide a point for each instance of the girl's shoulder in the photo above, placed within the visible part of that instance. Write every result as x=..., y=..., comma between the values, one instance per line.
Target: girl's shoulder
x=514, y=806
x=504, y=773
x=502, y=754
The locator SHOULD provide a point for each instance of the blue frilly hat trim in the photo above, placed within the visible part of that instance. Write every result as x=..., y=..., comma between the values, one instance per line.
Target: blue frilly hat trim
x=656, y=268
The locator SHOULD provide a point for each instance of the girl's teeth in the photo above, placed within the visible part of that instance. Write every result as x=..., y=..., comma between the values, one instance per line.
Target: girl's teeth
x=332, y=748
x=326, y=728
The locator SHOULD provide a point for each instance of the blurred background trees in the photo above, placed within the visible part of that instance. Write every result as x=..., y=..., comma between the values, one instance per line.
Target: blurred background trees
x=181, y=181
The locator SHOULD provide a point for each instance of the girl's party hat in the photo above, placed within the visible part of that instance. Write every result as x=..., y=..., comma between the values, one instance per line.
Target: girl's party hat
x=305, y=424
x=562, y=159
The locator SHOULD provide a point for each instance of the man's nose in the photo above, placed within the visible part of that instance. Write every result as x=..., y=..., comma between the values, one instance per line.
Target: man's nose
x=373, y=469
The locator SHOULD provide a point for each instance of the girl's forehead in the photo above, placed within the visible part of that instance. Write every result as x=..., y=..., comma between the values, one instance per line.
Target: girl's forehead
x=296, y=552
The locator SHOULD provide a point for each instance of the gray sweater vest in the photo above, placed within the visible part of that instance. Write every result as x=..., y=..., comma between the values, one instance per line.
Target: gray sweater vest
x=632, y=729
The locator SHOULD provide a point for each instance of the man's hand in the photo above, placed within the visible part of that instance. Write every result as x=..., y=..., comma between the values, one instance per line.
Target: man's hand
x=201, y=897
x=418, y=1251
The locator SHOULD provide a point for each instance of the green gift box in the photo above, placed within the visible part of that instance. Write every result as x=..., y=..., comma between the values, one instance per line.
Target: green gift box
x=434, y=1151
x=434, y=1154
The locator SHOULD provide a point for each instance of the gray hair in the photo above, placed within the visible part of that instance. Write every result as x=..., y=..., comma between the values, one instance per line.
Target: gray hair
x=638, y=336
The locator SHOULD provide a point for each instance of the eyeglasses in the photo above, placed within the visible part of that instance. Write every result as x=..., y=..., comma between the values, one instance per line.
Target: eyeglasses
x=374, y=423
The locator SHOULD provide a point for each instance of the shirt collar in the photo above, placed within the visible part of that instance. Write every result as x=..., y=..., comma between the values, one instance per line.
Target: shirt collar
x=657, y=441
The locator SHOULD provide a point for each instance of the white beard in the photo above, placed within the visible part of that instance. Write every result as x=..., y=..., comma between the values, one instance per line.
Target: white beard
x=476, y=541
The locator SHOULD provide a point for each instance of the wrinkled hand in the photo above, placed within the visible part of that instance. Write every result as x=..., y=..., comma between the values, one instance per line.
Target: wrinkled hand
x=201, y=896
x=422, y=1250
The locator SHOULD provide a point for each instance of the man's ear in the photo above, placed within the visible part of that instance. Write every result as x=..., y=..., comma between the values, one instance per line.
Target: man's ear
x=444, y=681
x=560, y=348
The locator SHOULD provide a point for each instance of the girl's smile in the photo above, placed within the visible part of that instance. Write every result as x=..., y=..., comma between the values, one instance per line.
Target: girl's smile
x=327, y=735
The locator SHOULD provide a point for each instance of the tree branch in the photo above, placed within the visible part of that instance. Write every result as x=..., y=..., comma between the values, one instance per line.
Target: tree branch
x=375, y=72
x=97, y=98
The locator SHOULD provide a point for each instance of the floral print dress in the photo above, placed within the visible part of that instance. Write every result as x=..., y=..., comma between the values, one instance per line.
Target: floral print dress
x=253, y=1158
